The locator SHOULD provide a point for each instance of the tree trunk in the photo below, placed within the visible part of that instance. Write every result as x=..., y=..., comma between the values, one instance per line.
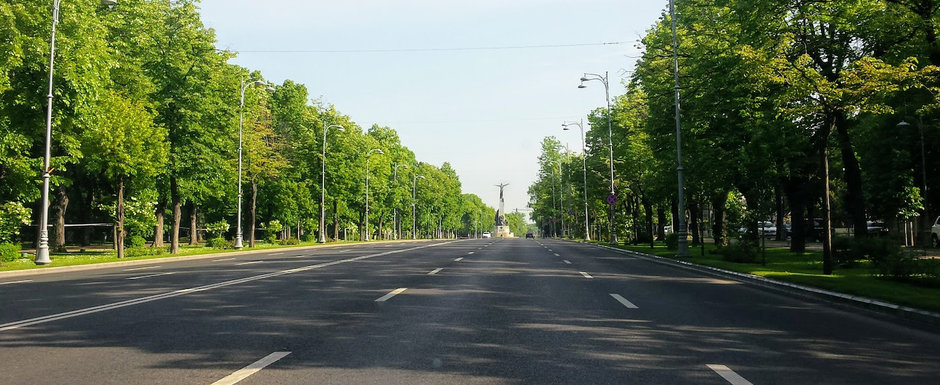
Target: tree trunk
x=854, y=198
x=177, y=217
x=827, y=212
x=58, y=231
x=719, y=230
x=119, y=226
x=778, y=209
x=85, y=202
x=193, y=230
x=661, y=223
x=335, y=220
x=158, y=229
x=693, y=221
x=253, y=215
x=648, y=210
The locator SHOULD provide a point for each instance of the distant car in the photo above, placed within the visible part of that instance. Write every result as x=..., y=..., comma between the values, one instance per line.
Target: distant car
x=876, y=228
x=769, y=229
x=530, y=235
x=935, y=233
x=486, y=234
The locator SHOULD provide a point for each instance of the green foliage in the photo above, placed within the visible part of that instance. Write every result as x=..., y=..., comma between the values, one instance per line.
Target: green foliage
x=216, y=229
x=739, y=252
x=12, y=217
x=672, y=241
x=136, y=241
x=271, y=230
x=219, y=243
x=134, y=252
x=9, y=252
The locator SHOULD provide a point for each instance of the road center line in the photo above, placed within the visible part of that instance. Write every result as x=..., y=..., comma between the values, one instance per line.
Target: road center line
x=176, y=293
x=624, y=301
x=150, y=276
x=15, y=282
x=458, y=259
x=435, y=271
x=392, y=294
x=567, y=262
x=142, y=268
x=243, y=373
x=248, y=263
x=586, y=275
x=729, y=375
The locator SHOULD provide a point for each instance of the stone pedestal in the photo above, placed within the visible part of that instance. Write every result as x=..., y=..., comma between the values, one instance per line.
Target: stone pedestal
x=503, y=232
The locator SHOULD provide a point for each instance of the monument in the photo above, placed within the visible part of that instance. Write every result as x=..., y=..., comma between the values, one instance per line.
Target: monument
x=502, y=226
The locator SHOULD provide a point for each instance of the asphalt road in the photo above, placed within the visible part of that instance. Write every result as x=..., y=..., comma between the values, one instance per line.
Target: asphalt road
x=464, y=312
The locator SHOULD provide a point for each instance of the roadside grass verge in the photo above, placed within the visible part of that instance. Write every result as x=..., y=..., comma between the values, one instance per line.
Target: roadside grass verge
x=95, y=256
x=861, y=280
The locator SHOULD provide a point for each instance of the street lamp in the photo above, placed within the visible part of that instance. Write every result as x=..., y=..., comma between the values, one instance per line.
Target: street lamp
x=395, y=226
x=322, y=237
x=414, y=201
x=564, y=126
x=610, y=134
x=379, y=151
x=42, y=252
x=683, y=231
x=241, y=118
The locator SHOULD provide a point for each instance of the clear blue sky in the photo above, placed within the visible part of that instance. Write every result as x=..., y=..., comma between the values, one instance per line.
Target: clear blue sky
x=483, y=110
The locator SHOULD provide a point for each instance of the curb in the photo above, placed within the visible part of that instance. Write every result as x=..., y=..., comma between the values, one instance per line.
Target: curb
x=154, y=261
x=793, y=289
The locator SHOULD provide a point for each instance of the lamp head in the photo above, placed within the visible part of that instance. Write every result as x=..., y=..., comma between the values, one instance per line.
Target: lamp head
x=108, y=3
x=584, y=79
x=903, y=124
x=582, y=85
x=270, y=88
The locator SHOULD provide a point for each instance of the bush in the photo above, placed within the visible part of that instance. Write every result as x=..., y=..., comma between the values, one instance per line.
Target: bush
x=293, y=241
x=12, y=216
x=9, y=252
x=846, y=250
x=216, y=229
x=897, y=265
x=672, y=241
x=219, y=243
x=136, y=241
x=271, y=230
x=740, y=252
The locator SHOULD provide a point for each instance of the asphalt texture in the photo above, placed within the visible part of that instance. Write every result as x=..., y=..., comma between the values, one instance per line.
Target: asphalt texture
x=489, y=311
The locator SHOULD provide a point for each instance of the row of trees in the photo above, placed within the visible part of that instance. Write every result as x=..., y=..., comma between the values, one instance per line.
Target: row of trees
x=791, y=110
x=145, y=131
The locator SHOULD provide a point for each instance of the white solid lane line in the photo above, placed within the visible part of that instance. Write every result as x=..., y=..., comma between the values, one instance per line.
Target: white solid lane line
x=586, y=275
x=624, y=301
x=567, y=262
x=198, y=289
x=458, y=259
x=243, y=373
x=435, y=271
x=151, y=275
x=248, y=263
x=224, y=259
x=392, y=294
x=16, y=282
x=729, y=375
x=142, y=268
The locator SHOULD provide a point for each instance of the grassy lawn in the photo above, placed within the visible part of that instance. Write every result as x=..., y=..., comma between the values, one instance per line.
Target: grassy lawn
x=93, y=256
x=782, y=265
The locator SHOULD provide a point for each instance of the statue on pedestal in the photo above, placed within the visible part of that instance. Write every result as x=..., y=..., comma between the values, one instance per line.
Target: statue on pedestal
x=502, y=225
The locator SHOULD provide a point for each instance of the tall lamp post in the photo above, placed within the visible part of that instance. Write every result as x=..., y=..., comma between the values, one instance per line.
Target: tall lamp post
x=378, y=151
x=683, y=251
x=241, y=120
x=610, y=134
x=564, y=126
x=414, y=201
x=395, y=226
x=322, y=237
x=42, y=252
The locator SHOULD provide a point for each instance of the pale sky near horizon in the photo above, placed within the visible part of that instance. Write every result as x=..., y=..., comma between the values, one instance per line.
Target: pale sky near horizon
x=425, y=69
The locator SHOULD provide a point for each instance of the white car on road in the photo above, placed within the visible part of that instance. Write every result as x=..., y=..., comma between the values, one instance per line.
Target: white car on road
x=486, y=234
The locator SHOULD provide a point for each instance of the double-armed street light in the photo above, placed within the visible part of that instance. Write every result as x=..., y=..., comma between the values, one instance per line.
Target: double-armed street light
x=682, y=232
x=564, y=126
x=368, y=154
x=610, y=134
x=42, y=252
x=322, y=237
x=414, y=201
x=395, y=227
x=241, y=120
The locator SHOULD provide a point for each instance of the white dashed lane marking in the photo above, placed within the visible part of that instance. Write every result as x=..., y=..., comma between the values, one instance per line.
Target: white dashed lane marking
x=243, y=373
x=586, y=275
x=392, y=294
x=435, y=271
x=729, y=375
x=150, y=276
x=624, y=301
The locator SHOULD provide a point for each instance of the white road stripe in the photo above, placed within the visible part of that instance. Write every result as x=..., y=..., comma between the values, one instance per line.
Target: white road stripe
x=243, y=373
x=151, y=275
x=224, y=259
x=15, y=282
x=142, y=268
x=567, y=262
x=392, y=294
x=556, y=254
x=624, y=301
x=458, y=259
x=470, y=252
x=586, y=275
x=176, y=293
x=435, y=271
x=277, y=253
x=248, y=263
x=729, y=375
